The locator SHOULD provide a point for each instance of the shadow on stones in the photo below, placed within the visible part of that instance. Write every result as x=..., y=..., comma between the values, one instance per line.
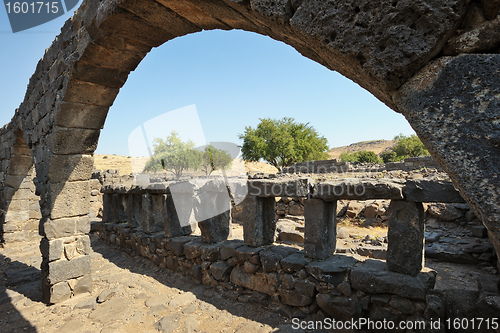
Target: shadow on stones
x=135, y=264
x=24, y=279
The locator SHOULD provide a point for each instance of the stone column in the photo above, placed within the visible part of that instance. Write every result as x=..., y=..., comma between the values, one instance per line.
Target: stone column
x=107, y=207
x=405, y=251
x=17, y=205
x=65, y=246
x=259, y=220
x=18, y=191
x=120, y=208
x=216, y=229
x=154, y=212
x=213, y=211
x=173, y=227
x=134, y=210
x=320, y=237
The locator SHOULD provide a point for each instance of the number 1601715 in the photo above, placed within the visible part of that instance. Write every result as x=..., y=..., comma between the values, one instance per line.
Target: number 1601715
x=32, y=7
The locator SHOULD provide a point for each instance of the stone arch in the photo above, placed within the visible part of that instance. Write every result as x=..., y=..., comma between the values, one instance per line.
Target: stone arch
x=393, y=49
x=19, y=202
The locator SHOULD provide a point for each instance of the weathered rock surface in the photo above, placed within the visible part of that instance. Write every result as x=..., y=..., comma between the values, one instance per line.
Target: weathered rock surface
x=444, y=212
x=431, y=191
x=405, y=252
x=358, y=189
x=332, y=270
x=357, y=33
x=455, y=114
x=374, y=277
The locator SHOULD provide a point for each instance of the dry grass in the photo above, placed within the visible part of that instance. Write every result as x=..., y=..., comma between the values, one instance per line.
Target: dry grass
x=377, y=146
x=126, y=165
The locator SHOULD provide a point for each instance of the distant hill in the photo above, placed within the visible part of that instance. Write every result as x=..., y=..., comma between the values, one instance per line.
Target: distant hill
x=377, y=146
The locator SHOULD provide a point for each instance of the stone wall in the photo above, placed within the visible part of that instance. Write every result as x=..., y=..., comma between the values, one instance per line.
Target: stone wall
x=335, y=166
x=300, y=282
x=342, y=287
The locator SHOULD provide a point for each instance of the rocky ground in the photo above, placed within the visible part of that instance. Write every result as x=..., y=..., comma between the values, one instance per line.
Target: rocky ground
x=130, y=294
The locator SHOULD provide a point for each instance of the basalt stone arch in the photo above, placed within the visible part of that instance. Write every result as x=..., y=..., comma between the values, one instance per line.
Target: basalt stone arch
x=19, y=205
x=409, y=54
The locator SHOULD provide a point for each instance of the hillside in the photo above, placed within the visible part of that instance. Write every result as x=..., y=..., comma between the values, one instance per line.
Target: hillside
x=124, y=165
x=377, y=146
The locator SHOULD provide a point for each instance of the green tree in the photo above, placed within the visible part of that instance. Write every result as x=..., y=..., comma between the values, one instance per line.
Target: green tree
x=406, y=146
x=174, y=155
x=214, y=159
x=282, y=143
x=363, y=156
x=348, y=157
x=388, y=156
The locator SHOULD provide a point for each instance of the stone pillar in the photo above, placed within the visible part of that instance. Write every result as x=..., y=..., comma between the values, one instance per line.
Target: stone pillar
x=154, y=213
x=134, y=210
x=16, y=216
x=259, y=220
x=65, y=248
x=173, y=227
x=320, y=238
x=17, y=193
x=405, y=251
x=107, y=207
x=216, y=229
x=120, y=208
x=213, y=211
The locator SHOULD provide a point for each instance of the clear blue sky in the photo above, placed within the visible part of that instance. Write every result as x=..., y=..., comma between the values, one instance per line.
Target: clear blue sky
x=232, y=78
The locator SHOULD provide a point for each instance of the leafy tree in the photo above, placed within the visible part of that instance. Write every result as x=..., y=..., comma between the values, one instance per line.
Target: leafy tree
x=366, y=156
x=409, y=146
x=282, y=143
x=388, y=156
x=363, y=156
x=348, y=157
x=406, y=146
x=213, y=159
x=174, y=155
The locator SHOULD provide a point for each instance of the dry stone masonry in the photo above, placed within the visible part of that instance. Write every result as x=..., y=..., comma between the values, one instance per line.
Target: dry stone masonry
x=152, y=211
x=435, y=61
x=329, y=166
x=301, y=281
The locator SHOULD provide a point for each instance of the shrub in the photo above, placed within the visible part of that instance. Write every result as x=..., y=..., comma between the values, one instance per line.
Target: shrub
x=363, y=156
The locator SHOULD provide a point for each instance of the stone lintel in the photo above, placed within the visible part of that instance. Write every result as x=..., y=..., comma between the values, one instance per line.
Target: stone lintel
x=266, y=188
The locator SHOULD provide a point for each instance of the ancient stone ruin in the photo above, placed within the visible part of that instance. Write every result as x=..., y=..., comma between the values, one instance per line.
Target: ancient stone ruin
x=329, y=166
x=436, y=62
